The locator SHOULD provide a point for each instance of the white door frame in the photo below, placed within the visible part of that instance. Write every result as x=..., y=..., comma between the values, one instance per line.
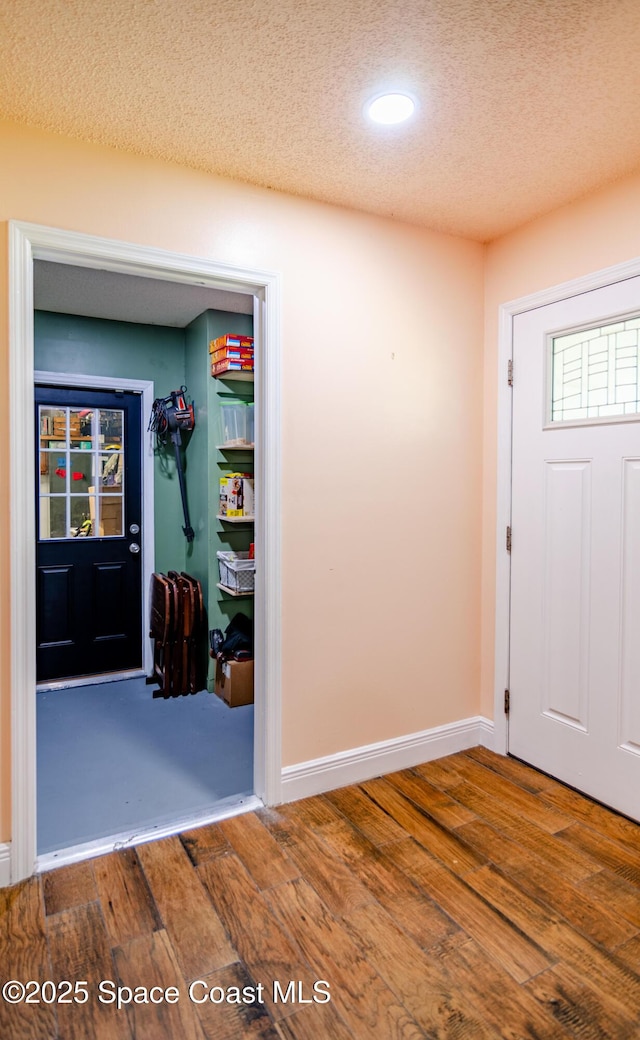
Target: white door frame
x=145, y=388
x=29, y=242
x=507, y=313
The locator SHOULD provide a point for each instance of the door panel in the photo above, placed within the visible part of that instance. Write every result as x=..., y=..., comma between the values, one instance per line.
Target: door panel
x=89, y=597
x=55, y=597
x=575, y=560
x=629, y=732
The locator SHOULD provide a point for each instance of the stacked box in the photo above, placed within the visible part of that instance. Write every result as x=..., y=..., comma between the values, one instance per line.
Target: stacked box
x=60, y=426
x=231, y=341
x=231, y=353
x=218, y=368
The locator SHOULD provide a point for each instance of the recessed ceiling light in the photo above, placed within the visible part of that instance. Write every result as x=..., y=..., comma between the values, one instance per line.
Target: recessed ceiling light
x=391, y=108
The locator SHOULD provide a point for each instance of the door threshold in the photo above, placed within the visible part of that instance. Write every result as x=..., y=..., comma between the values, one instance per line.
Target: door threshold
x=235, y=805
x=90, y=680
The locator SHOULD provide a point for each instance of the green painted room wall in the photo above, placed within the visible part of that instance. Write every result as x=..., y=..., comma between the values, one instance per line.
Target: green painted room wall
x=196, y=458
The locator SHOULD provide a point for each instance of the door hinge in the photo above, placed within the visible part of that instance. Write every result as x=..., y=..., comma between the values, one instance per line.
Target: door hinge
x=507, y=701
x=510, y=373
x=508, y=539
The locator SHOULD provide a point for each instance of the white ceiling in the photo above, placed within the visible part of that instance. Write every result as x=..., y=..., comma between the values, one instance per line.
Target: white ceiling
x=106, y=294
x=525, y=104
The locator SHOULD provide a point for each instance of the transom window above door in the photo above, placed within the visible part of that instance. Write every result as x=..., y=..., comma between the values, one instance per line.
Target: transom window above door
x=81, y=472
x=595, y=372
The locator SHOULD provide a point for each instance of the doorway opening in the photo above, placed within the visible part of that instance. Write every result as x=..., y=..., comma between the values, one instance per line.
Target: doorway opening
x=180, y=277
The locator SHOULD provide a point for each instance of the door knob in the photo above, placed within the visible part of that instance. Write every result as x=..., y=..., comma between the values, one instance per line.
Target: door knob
x=134, y=548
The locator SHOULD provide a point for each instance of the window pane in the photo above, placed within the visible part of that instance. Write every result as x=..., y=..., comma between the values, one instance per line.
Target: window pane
x=110, y=522
x=595, y=372
x=111, y=467
x=53, y=517
x=81, y=520
x=80, y=471
x=57, y=472
x=110, y=428
x=53, y=424
x=81, y=428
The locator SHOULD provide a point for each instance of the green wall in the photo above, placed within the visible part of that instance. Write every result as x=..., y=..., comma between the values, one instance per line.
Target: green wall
x=196, y=458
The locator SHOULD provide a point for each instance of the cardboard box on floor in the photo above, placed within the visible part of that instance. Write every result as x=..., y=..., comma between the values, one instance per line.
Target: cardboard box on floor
x=234, y=682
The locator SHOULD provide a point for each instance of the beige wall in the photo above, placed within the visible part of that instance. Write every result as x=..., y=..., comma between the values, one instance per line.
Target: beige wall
x=595, y=232
x=382, y=414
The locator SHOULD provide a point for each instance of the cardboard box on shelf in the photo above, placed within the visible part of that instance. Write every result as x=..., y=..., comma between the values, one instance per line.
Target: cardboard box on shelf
x=60, y=426
x=233, y=354
x=236, y=495
x=231, y=339
x=219, y=368
x=248, y=497
x=231, y=495
x=234, y=682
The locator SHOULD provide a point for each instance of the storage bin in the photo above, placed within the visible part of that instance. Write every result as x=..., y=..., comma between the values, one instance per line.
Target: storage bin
x=233, y=423
x=250, y=423
x=237, y=571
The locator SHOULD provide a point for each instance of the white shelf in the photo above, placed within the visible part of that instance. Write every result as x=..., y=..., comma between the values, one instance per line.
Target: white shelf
x=232, y=592
x=235, y=447
x=236, y=519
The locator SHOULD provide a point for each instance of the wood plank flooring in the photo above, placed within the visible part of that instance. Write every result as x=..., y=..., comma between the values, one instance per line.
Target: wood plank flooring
x=467, y=899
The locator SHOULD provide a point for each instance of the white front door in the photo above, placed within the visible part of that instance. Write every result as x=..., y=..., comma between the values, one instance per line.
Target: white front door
x=575, y=557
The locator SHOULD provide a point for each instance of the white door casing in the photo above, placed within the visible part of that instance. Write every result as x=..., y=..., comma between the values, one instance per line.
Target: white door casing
x=28, y=242
x=575, y=568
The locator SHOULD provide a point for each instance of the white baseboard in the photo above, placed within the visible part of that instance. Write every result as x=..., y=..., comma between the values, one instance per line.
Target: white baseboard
x=5, y=864
x=363, y=763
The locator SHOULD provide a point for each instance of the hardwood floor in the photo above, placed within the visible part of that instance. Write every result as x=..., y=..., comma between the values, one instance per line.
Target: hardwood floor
x=471, y=897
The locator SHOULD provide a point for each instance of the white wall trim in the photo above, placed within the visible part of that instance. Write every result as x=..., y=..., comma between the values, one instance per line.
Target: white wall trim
x=144, y=387
x=267, y=307
x=363, y=763
x=28, y=242
x=506, y=314
x=5, y=864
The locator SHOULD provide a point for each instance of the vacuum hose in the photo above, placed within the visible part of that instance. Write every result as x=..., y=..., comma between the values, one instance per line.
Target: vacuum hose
x=170, y=415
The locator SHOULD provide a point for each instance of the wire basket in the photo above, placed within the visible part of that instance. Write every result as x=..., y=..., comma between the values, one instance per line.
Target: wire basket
x=237, y=571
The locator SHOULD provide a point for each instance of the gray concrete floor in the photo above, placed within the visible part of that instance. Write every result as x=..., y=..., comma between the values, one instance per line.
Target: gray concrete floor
x=112, y=757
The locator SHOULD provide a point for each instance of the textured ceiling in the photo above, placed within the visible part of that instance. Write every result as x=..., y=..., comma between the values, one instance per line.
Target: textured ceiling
x=525, y=104
x=125, y=297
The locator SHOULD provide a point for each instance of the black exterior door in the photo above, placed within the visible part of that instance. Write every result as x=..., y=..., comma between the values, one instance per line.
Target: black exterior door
x=89, y=517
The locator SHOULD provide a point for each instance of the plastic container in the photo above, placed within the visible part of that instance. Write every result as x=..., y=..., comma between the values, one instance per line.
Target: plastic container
x=250, y=423
x=237, y=571
x=233, y=423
